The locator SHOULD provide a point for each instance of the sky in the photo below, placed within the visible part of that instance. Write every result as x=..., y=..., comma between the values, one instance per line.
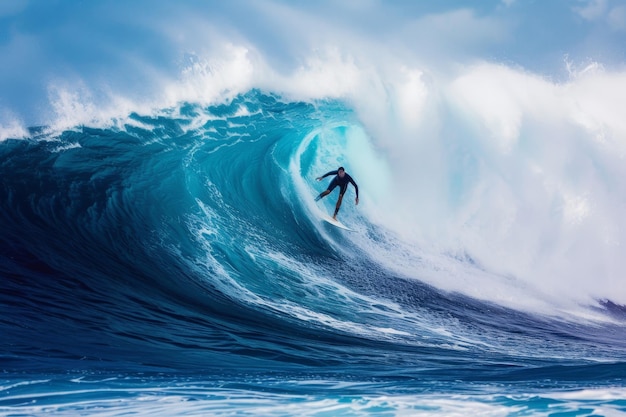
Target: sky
x=135, y=48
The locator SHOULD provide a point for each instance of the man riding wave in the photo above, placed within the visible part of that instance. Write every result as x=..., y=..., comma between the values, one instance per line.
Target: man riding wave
x=342, y=179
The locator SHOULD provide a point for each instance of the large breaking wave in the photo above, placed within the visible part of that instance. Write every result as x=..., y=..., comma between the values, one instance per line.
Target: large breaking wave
x=183, y=236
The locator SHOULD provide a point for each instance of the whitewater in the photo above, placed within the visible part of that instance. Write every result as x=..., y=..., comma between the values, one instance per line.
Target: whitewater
x=161, y=253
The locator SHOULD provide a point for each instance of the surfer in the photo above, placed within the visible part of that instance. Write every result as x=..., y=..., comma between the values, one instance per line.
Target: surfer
x=342, y=179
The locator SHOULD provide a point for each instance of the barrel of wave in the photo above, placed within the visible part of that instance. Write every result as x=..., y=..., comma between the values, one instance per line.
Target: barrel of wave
x=347, y=145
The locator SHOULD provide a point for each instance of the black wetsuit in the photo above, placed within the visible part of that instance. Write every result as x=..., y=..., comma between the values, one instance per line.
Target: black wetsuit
x=341, y=182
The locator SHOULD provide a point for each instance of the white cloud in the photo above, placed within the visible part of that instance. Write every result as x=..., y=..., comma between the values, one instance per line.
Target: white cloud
x=602, y=12
x=592, y=9
x=617, y=18
x=459, y=33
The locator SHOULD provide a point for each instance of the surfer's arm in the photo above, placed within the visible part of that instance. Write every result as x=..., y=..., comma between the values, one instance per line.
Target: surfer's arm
x=326, y=175
x=356, y=188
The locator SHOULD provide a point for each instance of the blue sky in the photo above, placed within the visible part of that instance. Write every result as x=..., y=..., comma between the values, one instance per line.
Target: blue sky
x=107, y=45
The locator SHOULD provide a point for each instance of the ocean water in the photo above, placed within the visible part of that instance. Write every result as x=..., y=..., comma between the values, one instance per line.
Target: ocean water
x=161, y=252
x=176, y=264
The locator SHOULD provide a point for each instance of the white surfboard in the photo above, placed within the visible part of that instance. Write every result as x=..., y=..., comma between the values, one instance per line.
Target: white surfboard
x=335, y=223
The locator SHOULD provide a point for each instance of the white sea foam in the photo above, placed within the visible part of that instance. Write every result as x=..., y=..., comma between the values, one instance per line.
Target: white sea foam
x=11, y=127
x=514, y=171
x=205, y=399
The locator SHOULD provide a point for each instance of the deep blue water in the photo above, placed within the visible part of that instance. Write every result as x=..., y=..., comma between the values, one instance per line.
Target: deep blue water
x=174, y=264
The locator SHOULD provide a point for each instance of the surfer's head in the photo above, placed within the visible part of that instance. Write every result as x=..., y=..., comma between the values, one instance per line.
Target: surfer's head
x=341, y=172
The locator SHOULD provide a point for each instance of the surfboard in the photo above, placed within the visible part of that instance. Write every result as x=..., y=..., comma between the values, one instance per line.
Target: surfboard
x=335, y=223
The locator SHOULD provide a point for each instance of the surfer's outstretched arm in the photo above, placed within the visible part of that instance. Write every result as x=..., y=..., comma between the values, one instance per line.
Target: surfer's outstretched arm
x=326, y=175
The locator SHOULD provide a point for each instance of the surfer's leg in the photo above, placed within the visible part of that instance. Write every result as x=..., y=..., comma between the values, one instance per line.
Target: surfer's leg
x=338, y=206
x=342, y=191
x=331, y=187
x=322, y=195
